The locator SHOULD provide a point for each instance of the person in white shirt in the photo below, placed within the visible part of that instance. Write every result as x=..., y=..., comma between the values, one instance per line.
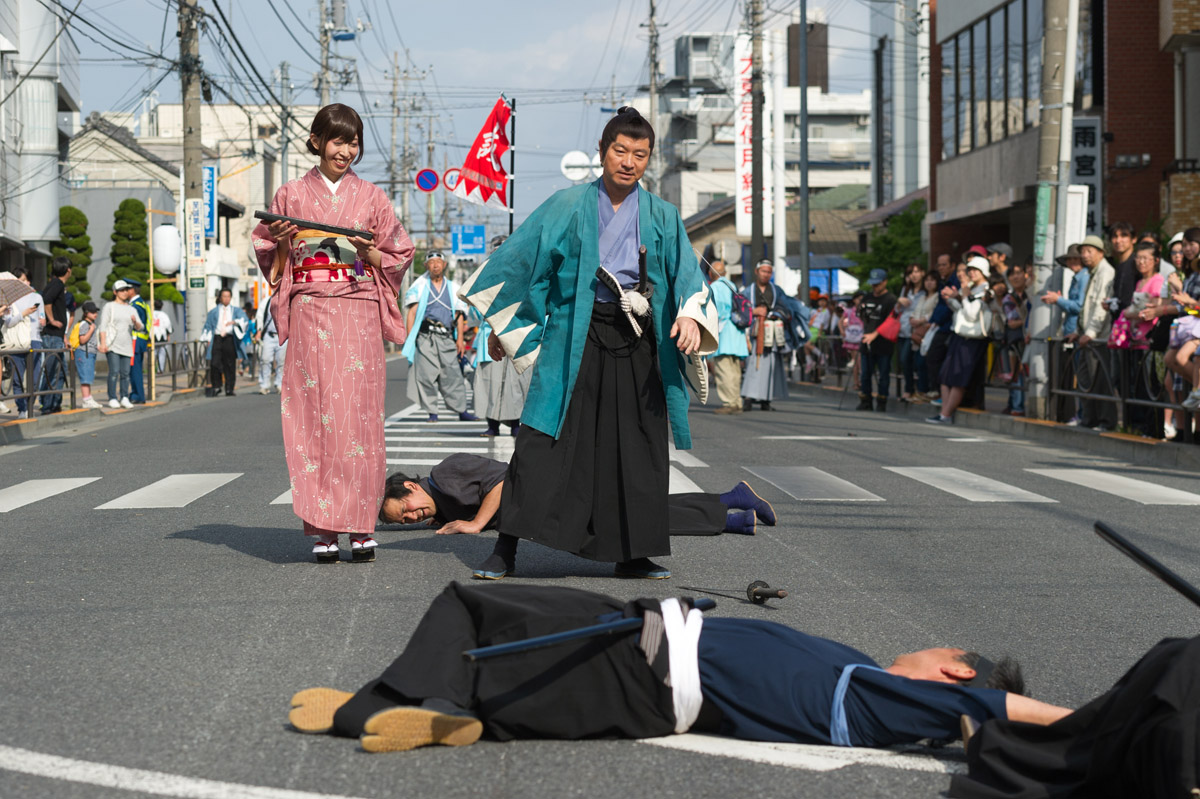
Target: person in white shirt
x=160, y=329
x=223, y=329
x=118, y=320
x=273, y=353
x=27, y=308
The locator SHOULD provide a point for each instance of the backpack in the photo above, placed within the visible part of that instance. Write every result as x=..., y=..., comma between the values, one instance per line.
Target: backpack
x=743, y=312
x=73, y=338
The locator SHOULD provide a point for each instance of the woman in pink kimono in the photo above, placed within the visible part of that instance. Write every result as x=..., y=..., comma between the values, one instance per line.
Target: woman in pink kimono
x=334, y=304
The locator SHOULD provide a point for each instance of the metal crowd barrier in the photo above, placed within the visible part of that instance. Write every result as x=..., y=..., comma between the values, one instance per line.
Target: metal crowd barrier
x=1135, y=381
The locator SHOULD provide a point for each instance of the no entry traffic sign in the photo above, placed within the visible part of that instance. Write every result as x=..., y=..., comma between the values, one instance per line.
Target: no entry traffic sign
x=427, y=180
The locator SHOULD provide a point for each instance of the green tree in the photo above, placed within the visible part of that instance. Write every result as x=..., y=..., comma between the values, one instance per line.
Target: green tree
x=130, y=253
x=76, y=245
x=893, y=247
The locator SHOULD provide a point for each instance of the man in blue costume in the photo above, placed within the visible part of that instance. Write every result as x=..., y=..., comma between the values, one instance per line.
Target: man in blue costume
x=436, y=324
x=744, y=678
x=589, y=474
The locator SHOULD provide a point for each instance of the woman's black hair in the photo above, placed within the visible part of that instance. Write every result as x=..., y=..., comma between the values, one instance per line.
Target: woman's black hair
x=336, y=121
x=628, y=122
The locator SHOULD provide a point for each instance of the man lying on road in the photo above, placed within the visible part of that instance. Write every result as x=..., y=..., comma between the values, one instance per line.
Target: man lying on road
x=462, y=495
x=748, y=679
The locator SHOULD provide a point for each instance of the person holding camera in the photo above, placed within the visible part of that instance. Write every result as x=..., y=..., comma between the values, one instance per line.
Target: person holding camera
x=969, y=337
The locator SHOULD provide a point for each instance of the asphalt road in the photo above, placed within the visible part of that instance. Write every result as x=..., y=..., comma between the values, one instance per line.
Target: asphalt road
x=152, y=651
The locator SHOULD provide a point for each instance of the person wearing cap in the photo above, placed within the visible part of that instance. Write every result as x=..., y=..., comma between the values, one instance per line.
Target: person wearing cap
x=612, y=360
x=765, y=379
x=746, y=679
x=726, y=362
x=500, y=390
x=1072, y=302
x=118, y=320
x=999, y=257
x=85, y=354
x=437, y=321
x=876, y=354
x=141, y=342
x=1095, y=320
x=968, y=340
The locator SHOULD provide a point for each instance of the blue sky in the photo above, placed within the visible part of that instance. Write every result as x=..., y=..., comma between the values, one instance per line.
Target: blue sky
x=558, y=63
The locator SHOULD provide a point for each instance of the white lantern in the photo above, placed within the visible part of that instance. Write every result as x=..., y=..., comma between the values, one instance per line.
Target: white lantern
x=168, y=246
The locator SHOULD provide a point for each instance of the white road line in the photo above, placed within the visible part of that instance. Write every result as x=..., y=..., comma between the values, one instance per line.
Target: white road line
x=810, y=484
x=413, y=461
x=283, y=499
x=681, y=484
x=30, y=491
x=969, y=440
x=158, y=783
x=1124, y=487
x=10, y=449
x=807, y=756
x=449, y=449
x=174, y=491
x=685, y=458
x=824, y=438
x=967, y=485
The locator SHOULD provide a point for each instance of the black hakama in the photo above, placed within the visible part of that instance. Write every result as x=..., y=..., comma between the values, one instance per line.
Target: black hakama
x=600, y=687
x=600, y=489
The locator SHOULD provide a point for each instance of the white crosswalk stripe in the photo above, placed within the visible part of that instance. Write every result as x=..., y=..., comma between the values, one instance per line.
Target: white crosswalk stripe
x=685, y=458
x=174, y=491
x=967, y=485
x=810, y=484
x=680, y=483
x=1120, y=486
x=803, y=483
x=31, y=491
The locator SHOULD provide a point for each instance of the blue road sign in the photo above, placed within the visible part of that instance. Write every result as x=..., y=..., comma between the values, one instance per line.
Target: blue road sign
x=427, y=180
x=468, y=239
x=209, y=181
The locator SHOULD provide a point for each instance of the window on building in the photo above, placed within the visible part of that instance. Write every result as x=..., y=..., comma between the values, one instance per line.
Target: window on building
x=707, y=198
x=965, y=107
x=1033, y=60
x=700, y=45
x=991, y=78
x=267, y=131
x=949, y=105
x=979, y=73
x=1015, y=49
x=997, y=74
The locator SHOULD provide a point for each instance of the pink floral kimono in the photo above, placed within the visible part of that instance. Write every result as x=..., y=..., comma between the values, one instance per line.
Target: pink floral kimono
x=334, y=322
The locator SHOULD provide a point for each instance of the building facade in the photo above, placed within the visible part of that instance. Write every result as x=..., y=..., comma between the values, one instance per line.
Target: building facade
x=900, y=116
x=35, y=126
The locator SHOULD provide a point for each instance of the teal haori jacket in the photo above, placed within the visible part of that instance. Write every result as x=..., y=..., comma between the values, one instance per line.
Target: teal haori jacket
x=538, y=288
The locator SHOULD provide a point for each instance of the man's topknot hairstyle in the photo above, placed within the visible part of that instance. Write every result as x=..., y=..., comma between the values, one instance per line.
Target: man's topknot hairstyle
x=628, y=122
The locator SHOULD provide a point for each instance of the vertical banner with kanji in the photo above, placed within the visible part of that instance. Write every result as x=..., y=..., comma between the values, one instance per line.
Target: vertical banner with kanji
x=482, y=178
x=1087, y=169
x=743, y=152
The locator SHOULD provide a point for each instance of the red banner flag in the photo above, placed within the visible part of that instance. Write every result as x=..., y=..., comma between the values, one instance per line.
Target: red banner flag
x=482, y=178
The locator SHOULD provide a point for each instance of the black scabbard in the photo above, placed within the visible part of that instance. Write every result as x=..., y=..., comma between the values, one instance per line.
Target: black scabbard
x=307, y=224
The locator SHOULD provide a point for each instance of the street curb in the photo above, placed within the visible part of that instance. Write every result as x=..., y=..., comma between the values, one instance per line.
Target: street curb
x=1122, y=446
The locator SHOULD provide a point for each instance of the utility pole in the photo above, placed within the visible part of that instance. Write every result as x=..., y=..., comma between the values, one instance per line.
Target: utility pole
x=756, y=136
x=655, y=159
x=285, y=94
x=402, y=105
x=802, y=48
x=393, y=167
x=323, y=29
x=1059, y=34
x=429, y=194
x=189, y=77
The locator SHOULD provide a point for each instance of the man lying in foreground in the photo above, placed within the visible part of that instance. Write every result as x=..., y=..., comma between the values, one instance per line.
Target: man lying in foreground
x=748, y=679
x=462, y=495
